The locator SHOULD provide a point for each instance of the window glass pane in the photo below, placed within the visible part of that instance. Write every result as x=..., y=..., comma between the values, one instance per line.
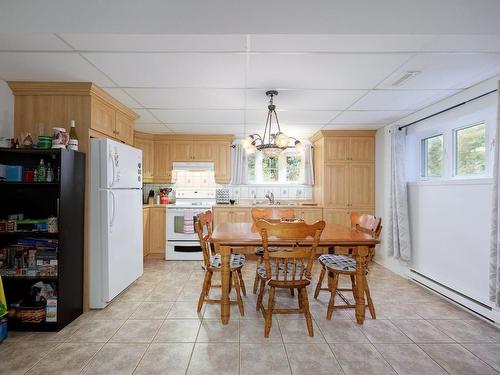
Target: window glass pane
x=270, y=169
x=471, y=150
x=432, y=156
x=251, y=167
x=292, y=168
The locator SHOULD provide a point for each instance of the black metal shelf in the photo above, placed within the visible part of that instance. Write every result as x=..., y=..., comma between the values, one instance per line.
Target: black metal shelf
x=32, y=278
x=28, y=234
x=17, y=184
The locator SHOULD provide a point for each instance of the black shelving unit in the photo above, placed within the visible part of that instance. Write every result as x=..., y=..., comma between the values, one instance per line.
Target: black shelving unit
x=64, y=199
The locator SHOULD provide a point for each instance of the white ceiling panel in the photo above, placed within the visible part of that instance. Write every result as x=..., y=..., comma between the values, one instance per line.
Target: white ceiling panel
x=208, y=129
x=172, y=69
x=122, y=96
x=32, y=42
x=305, y=99
x=200, y=116
x=464, y=43
x=446, y=71
x=291, y=117
x=369, y=117
x=152, y=128
x=146, y=117
x=156, y=42
x=328, y=71
x=189, y=98
x=353, y=126
x=338, y=43
x=41, y=66
x=400, y=100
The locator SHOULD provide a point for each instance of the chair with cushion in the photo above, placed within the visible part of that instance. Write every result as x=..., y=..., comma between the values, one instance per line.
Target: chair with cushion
x=212, y=263
x=271, y=214
x=289, y=266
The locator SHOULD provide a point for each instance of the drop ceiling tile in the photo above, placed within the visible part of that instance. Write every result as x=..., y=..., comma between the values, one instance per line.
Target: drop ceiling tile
x=208, y=129
x=152, y=128
x=189, y=98
x=400, y=99
x=291, y=117
x=327, y=71
x=464, y=43
x=156, y=42
x=200, y=116
x=338, y=43
x=32, y=42
x=305, y=99
x=369, y=117
x=146, y=117
x=172, y=69
x=446, y=71
x=353, y=126
x=120, y=95
x=42, y=66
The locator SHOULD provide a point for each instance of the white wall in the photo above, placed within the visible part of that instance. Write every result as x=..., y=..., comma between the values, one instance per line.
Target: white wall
x=6, y=111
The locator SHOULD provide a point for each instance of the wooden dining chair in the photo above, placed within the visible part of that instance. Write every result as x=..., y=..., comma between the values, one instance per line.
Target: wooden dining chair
x=289, y=266
x=270, y=213
x=212, y=264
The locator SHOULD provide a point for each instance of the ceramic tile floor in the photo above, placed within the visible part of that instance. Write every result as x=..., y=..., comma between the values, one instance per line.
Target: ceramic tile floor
x=153, y=328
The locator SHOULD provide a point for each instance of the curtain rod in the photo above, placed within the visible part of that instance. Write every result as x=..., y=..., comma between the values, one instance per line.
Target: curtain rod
x=447, y=109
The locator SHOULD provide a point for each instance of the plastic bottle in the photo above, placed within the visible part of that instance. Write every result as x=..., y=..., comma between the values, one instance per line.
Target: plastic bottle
x=50, y=173
x=42, y=171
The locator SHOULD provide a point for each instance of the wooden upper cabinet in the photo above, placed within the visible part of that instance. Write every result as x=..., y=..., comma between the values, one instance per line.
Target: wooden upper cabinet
x=361, y=149
x=222, y=162
x=146, y=144
x=336, y=149
x=182, y=150
x=336, y=185
x=103, y=118
x=203, y=151
x=124, y=128
x=162, y=169
x=337, y=216
x=362, y=185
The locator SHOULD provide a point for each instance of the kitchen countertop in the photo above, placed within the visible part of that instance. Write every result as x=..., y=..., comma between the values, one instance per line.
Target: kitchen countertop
x=264, y=205
x=154, y=205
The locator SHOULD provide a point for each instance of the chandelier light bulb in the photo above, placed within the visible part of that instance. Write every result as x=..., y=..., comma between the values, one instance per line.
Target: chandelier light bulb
x=299, y=146
x=282, y=140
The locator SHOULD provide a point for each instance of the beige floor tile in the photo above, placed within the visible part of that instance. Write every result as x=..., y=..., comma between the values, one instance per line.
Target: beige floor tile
x=190, y=292
x=116, y=359
x=162, y=359
x=152, y=310
x=486, y=329
x=409, y=359
x=137, y=331
x=120, y=310
x=18, y=357
x=17, y=337
x=361, y=359
x=178, y=330
x=252, y=332
x=212, y=311
x=456, y=359
x=311, y=359
x=489, y=353
x=258, y=359
x=461, y=331
x=164, y=293
x=441, y=310
x=96, y=331
x=339, y=331
x=67, y=358
x=383, y=331
x=215, y=331
x=217, y=358
x=395, y=311
x=295, y=331
x=137, y=292
x=421, y=331
x=185, y=310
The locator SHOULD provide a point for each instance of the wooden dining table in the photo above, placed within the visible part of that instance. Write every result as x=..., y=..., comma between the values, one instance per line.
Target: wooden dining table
x=230, y=235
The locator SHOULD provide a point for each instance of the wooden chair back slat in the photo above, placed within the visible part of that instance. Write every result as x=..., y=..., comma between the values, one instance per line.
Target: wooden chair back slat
x=366, y=223
x=203, y=227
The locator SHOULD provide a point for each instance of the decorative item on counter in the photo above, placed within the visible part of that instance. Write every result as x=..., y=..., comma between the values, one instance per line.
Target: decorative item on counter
x=26, y=140
x=52, y=224
x=44, y=142
x=73, y=137
x=42, y=171
x=163, y=196
x=222, y=196
x=59, y=138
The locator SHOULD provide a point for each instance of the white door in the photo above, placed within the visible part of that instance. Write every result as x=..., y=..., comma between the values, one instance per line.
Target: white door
x=123, y=263
x=121, y=165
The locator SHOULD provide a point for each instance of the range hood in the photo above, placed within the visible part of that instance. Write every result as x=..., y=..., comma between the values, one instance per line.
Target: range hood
x=193, y=166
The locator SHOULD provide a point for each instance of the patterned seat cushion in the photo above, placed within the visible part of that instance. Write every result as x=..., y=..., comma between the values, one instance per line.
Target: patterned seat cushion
x=259, y=250
x=280, y=276
x=237, y=260
x=338, y=262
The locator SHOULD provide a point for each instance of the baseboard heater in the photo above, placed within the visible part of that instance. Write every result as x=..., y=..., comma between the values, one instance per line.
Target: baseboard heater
x=471, y=304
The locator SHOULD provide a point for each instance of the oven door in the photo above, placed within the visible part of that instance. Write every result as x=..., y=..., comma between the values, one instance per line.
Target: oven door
x=186, y=250
x=175, y=225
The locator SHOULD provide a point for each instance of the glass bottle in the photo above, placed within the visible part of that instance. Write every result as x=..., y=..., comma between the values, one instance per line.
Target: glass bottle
x=42, y=171
x=73, y=137
x=50, y=173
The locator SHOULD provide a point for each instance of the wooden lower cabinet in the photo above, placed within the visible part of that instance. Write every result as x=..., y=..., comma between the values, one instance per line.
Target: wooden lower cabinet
x=145, y=231
x=155, y=230
x=231, y=215
x=340, y=216
x=310, y=215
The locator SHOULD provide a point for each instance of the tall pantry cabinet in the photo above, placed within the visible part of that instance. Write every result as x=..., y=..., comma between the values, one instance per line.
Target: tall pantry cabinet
x=344, y=171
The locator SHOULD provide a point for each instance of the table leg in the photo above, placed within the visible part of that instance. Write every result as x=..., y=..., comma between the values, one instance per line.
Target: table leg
x=225, y=254
x=361, y=256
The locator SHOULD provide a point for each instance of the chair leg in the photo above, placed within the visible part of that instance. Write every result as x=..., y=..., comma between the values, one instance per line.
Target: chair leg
x=307, y=312
x=354, y=288
x=238, y=295
x=301, y=302
x=269, y=312
x=333, y=292
x=371, y=307
x=257, y=278
x=292, y=292
x=203, y=293
x=242, y=283
x=320, y=283
x=209, y=283
x=260, y=296
x=230, y=281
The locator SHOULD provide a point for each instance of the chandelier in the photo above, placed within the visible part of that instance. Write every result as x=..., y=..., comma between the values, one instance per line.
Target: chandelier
x=271, y=143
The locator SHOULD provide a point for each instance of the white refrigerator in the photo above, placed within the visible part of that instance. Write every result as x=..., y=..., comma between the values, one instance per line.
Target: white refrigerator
x=115, y=254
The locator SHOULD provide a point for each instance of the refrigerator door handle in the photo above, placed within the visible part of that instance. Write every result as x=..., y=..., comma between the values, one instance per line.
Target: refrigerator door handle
x=113, y=172
x=113, y=215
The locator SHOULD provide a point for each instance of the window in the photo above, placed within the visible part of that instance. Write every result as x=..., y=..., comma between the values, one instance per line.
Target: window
x=287, y=168
x=432, y=156
x=470, y=150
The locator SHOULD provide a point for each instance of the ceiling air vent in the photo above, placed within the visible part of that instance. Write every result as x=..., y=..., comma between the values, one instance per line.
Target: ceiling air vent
x=405, y=77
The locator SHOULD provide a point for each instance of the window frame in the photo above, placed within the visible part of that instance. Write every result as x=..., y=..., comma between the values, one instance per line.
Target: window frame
x=423, y=156
x=282, y=172
x=487, y=152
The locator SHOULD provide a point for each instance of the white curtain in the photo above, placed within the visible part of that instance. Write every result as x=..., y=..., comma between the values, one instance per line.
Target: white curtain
x=308, y=165
x=238, y=165
x=495, y=223
x=399, y=245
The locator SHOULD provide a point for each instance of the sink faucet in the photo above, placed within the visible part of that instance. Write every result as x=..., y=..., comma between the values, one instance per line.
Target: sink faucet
x=270, y=197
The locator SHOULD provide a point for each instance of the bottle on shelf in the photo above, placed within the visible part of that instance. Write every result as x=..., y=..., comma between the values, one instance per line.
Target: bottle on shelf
x=42, y=171
x=73, y=137
x=50, y=173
